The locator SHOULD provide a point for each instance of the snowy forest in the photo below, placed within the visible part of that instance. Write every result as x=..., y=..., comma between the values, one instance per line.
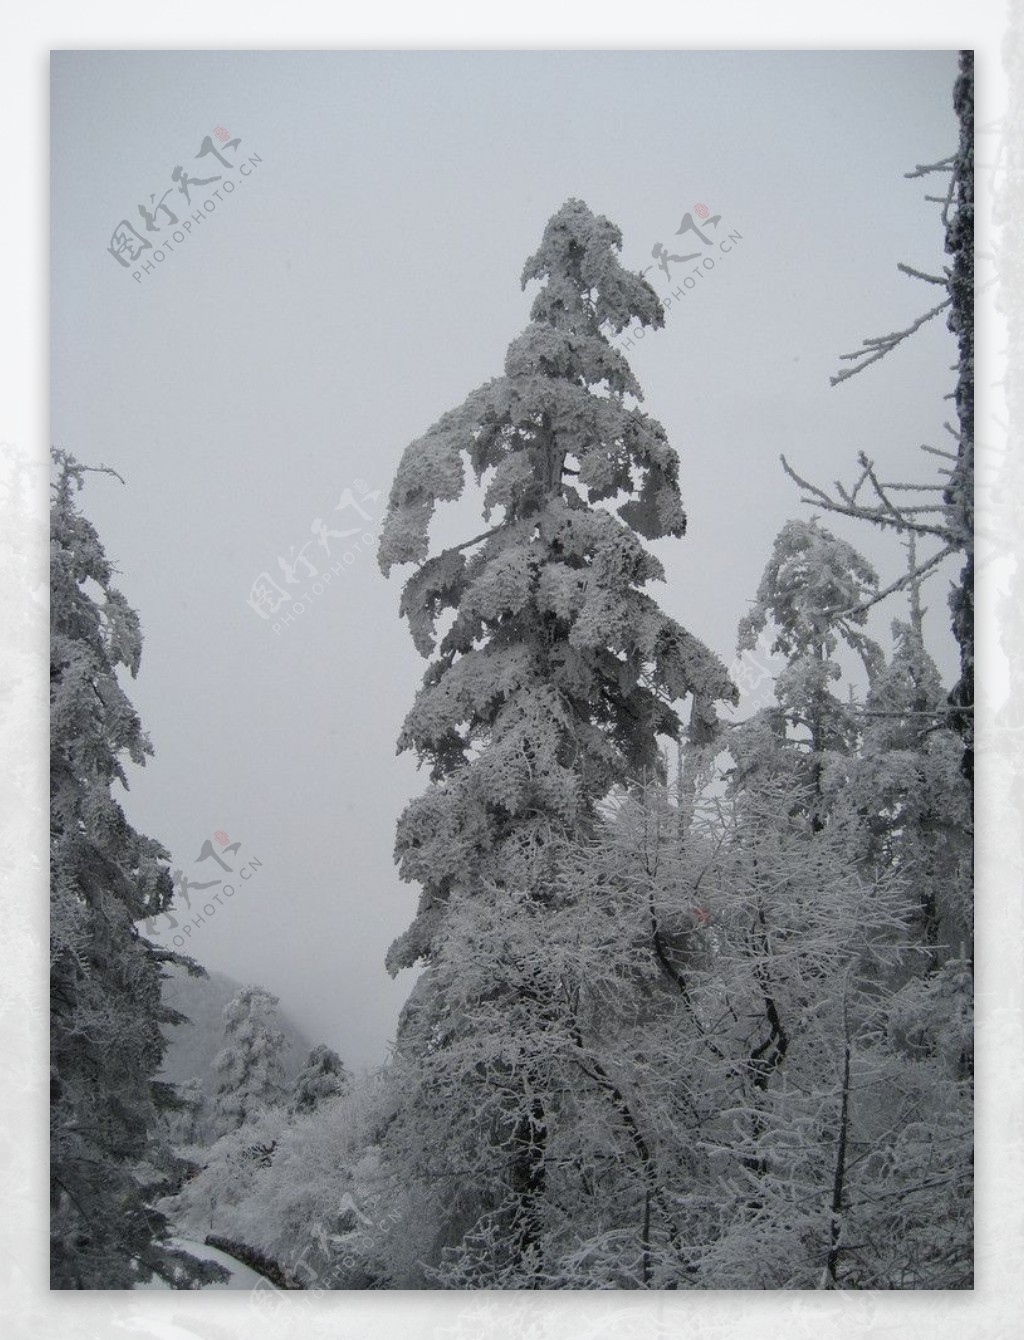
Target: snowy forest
x=694, y=996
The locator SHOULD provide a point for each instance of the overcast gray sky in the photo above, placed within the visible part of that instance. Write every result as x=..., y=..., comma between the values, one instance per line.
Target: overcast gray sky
x=362, y=279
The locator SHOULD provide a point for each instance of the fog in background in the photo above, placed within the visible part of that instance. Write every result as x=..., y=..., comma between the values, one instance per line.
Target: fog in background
x=361, y=280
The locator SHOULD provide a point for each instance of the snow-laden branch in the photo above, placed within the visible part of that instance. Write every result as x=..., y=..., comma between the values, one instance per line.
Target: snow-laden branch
x=885, y=512
x=908, y=579
x=877, y=346
x=923, y=169
x=920, y=274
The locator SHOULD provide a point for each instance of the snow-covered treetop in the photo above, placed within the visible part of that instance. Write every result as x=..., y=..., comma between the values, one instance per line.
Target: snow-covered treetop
x=586, y=284
x=815, y=593
x=502, y=428
x=812, y=585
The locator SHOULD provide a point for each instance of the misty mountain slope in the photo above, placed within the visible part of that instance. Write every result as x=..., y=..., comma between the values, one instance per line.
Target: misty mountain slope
x=193, y=1045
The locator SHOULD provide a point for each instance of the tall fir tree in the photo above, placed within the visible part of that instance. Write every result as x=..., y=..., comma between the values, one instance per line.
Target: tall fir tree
x=105, y=978
x=556, y=672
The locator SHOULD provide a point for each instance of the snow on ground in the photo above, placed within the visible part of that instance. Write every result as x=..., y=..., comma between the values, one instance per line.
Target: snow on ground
x=241, y=1276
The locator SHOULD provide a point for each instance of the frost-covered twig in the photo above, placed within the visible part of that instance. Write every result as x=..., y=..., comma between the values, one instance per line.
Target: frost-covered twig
x=878, y=346
x=923, y=169
x=885, y=513
x=920, y=274
x=901, y=583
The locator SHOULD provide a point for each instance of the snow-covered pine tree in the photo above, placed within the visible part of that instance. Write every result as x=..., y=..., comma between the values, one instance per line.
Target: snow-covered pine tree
x=250, y=1067
x=813, y=593
x=556, y=672
x=322, y=1077
x=106, y=1008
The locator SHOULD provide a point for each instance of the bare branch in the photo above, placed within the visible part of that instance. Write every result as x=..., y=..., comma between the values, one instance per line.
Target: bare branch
x=920, y=274
x=885, y=513
x=914, y=578
x=937, y=451
x=878, y=346
x=923, y=169
x=920, y=488
x=811, y=488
